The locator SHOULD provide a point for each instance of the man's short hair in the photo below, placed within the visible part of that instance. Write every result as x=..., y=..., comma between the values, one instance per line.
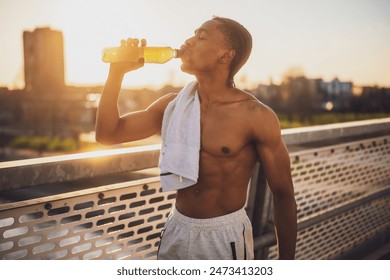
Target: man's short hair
x=240, y=40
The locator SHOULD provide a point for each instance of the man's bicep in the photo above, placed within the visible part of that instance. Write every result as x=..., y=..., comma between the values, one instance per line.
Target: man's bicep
x=272, y=151
x=145, y=123
x=137, y=125
x=275, y=161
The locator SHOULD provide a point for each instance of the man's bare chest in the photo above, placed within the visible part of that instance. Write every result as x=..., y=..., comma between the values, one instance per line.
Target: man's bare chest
x=224, y=132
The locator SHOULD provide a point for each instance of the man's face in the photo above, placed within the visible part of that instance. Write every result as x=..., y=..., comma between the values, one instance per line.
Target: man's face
x=202, y=52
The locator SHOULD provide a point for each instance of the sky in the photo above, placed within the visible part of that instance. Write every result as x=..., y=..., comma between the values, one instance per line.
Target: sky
x=347, y=39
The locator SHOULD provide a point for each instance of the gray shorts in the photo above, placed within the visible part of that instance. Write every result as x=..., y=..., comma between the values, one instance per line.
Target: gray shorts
x=226, y=237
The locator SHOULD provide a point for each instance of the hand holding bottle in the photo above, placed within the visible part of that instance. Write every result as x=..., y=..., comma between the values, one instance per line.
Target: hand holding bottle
x=132, y=49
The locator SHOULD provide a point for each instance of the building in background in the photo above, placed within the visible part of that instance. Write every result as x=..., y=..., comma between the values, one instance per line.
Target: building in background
x=336, y=95
x=47, y=107
x=44, y=69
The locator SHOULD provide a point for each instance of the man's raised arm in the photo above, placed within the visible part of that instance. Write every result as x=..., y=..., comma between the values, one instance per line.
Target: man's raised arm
x=111, y=128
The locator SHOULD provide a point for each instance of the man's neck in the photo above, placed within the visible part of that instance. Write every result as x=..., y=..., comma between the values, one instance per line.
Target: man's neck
x=212, y=90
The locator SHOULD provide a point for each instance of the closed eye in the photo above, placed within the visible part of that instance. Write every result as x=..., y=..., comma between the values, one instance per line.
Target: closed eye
x=201, y=34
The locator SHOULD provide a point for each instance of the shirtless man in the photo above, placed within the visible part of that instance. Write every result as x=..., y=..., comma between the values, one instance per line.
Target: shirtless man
x=237, y=130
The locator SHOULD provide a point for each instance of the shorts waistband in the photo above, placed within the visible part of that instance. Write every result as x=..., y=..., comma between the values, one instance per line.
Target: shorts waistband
x=237, y=217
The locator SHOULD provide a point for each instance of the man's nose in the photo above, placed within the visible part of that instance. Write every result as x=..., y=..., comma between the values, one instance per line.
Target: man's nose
x=189, y=42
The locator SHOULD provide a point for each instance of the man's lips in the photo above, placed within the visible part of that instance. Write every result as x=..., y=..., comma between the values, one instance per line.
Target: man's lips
x=183, y=50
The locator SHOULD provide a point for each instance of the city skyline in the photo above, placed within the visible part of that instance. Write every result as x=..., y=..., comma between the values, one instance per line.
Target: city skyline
x=327, y=39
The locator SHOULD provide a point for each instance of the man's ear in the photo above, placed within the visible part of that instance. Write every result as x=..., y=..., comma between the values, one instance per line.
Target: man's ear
x=227, y=56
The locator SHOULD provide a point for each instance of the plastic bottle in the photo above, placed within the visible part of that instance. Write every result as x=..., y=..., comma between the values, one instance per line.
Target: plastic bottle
x=131, y=54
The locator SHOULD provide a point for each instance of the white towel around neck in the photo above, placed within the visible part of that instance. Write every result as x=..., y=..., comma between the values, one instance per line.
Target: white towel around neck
x=179, y=155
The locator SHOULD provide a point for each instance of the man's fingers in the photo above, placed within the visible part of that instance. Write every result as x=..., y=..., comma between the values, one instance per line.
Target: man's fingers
x=133, y=42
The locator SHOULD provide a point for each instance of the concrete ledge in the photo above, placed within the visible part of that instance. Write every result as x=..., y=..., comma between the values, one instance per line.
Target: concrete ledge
x=298, y=136
x=32, y=172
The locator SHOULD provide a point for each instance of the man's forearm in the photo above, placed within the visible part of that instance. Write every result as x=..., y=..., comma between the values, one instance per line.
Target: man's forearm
x=108, y=117
x=285, y=219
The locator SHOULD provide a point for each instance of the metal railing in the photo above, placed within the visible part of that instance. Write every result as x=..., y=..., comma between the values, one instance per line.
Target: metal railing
x=109, y=204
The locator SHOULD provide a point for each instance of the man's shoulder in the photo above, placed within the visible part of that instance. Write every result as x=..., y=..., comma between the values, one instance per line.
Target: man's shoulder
x=170, y=96
x=166, y=98
x=255, y=107
x=260, y=117
x=161, y=103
